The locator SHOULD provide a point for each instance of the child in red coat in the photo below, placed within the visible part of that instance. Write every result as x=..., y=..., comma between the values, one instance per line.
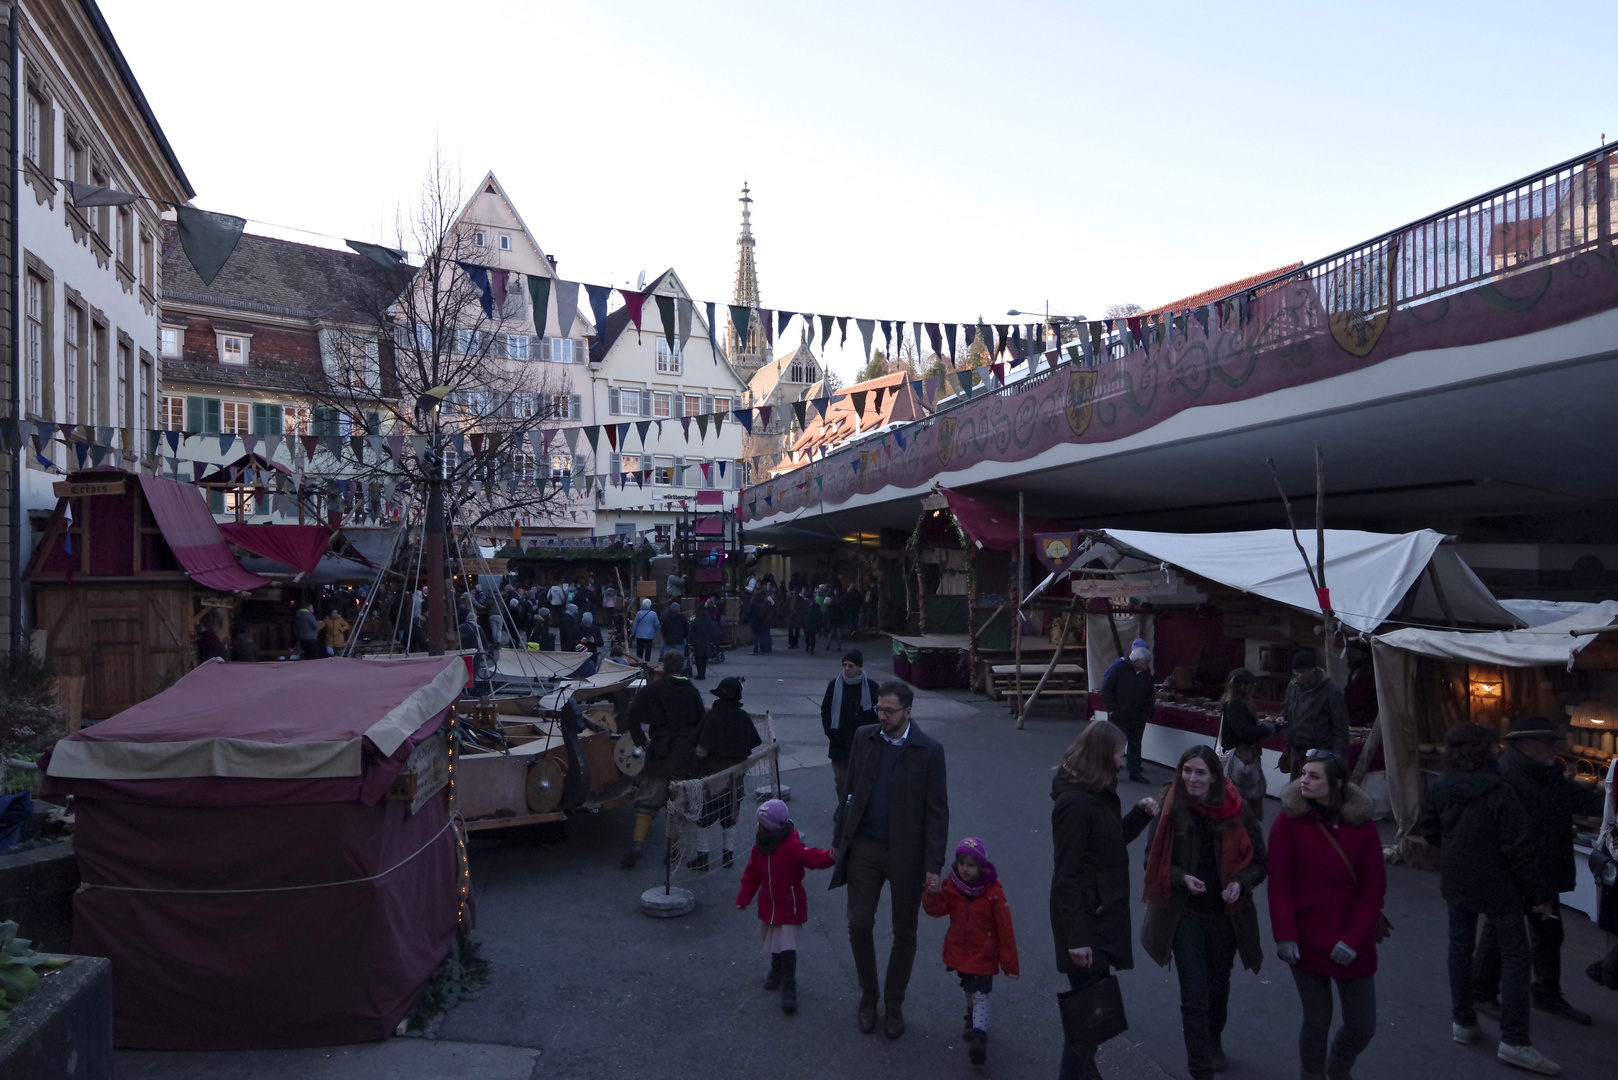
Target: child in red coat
x=979, y=941
x=775, y=872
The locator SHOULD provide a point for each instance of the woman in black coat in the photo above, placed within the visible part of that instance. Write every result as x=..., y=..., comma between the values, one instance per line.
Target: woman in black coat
x=1090, y=898
x=728, y=736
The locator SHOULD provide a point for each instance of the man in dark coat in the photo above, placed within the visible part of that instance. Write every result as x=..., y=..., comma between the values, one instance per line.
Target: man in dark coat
x=1129, y=695
x=728, y=736
x=700, y=636
x=849, y=704
x=1551, y=797
x=892, y=827
x=663, y=718
x=1316, y=715
x=813, y=618
x=674, y=630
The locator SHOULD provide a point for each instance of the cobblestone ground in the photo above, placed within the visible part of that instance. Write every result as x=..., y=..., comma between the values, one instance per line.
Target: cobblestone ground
x=584, y=986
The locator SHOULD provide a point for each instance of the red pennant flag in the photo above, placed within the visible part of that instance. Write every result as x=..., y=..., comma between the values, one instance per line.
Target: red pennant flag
x=476, y=439
x=632, y=303
x=310, y=442
x=612, y=435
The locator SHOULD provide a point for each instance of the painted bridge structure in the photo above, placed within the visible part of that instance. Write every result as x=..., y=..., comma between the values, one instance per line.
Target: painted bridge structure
x=1462, y=367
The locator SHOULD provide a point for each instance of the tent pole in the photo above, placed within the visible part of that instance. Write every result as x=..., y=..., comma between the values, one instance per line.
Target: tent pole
x=1056, y=657
x=1016, y=619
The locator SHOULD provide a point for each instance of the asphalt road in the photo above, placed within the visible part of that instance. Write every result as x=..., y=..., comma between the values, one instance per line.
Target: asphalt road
x=584, y=986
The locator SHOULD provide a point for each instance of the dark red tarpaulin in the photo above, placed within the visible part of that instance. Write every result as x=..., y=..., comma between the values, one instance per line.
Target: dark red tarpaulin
x=182, y=513
x=271, y=897
x=297, y=546
x=987, y=525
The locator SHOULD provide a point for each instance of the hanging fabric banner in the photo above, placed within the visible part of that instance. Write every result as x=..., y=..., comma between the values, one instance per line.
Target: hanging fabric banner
x=702, y=427
x=745, y=416
x=208, y=239
x=825, y=332
x=823, y=404
x=740, y=317
x=612, y=437
x=642, y=427
x=479, y=276
x=713, y=345
x=782, y=318
x=858, y=398
x=867, y=328
x=599, y=295
x=764, y=414
x=766, y=320
x=539, y=297
x=800, y=409
x=684, y=319
x=665, y=315
x=567, y=306
x=633, y=302
x=498, y=280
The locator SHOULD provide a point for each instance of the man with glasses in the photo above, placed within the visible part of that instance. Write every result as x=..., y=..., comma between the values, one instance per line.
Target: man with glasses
x=892, y=827
x=1315, y=715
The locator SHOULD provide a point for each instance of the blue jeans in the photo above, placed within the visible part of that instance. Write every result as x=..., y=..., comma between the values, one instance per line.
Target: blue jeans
x=1204, y=953
x=1515, y=966
x=1078, y=1065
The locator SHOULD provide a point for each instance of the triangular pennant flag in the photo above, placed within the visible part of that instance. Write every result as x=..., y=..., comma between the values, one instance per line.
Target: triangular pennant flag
x=800, y=410
x=476, y=439
x=642, y=476
x=623, y=435
x=567, y=484
x=334, y=445
x=702, y=427
x=599, y=296
x=721, y=470
x=971, y=336
x=713, y=328
x=746, y=418
x=539, y=295
x=567, y=306
x=707, y=475
x=208, y=239
x=272, y=444
x=764, y=316
x=633, y=302
x=867, y=327
x=876, y=398
x=823, y=405
x=249, y=443
x=685, y=426
x=539, y=443
x=842, y=330
x=899, y=437
x=718, y=422
x=740, y=317
x=458, y=440
x=887, y=337
x=572, y=436
x=225, y=442
x=858, y=398
x=825, y=331
x=498, y=280
x=967, y=378
x=665, y=315
x=612, y=436
x=764, y=414
x=418, y=446
x=999, y=371
x=1004, y=330
x=782, y=318
x=643, y=426
x=930, y=388
x=174, y=441
x=479, y=276
x=949, y=336
x=310, y=442
x=683, y=318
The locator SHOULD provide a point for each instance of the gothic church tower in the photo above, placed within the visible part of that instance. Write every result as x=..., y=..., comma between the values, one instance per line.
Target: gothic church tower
x=746, y=356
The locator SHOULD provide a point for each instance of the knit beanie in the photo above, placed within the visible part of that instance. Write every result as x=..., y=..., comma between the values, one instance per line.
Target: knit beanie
x=855, y=657
x=773, y=814
x=974, y=847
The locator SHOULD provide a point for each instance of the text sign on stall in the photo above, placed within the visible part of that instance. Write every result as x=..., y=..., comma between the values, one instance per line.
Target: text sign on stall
x=1120, y=590
x=65, y=490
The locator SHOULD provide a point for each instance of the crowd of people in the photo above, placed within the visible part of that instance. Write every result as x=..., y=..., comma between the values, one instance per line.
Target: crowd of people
x=1499, y=821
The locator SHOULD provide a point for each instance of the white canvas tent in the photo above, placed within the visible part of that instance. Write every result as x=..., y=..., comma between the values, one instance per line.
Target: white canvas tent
x=1373, y=577
x=1399, y=699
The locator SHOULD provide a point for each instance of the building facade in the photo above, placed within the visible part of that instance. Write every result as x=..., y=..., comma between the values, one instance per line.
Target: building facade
x=638, y=378
x=83, y=337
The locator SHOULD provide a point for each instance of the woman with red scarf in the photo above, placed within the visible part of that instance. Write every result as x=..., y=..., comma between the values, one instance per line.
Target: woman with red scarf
x=1205, y=856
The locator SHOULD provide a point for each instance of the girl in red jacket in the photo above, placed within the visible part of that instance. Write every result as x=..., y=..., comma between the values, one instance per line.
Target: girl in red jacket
x=979, y=942
x=775, y=871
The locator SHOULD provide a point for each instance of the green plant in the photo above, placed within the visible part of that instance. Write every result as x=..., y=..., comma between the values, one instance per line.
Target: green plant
x=26, y=677
x=458, y=978
x=18, y=968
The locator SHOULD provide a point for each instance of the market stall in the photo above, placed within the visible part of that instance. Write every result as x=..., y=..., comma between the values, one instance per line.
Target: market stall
x=1428, y=680
x=269, y=852
x=1212, y=602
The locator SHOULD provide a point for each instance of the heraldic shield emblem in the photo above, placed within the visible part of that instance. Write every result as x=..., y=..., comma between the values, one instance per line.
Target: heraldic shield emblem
x=946, y=440
x=1081, y=392
x=1357, y=302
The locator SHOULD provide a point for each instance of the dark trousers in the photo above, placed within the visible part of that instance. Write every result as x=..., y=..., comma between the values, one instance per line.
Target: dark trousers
x=1080, y=1064
x=762, y=642
x=868, y=869
x=839, y=773
x=1359, y=1019
x=1204, y=953
x=699, y=660
x=643, y=648
x=1545, y=947
x=809, y=642
x=792, y=637
x=312, y=649
x=1514, y=967
x=1133, y=730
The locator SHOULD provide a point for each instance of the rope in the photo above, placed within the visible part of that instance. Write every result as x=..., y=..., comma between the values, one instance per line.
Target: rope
x=282, y=888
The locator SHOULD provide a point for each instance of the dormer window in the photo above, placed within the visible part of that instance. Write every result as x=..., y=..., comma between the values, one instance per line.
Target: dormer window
x=480, y=238
x=233, y=348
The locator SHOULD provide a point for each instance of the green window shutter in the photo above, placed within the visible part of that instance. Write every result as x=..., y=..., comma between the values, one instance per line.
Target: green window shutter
x=373, y=423
x=211, y=416
x=325, y=420
x=216, y=501
x=195, y=413
x=266, y=419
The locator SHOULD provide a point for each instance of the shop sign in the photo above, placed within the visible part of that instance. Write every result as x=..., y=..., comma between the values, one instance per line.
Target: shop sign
x=1120, y=590
x=65, y=490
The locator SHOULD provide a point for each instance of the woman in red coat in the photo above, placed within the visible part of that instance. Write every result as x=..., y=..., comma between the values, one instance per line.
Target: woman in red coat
x=1327, y=881
x=979, y=943
x=775, y=872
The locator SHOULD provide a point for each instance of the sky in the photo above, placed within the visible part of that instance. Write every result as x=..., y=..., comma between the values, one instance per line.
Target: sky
x=941, y=161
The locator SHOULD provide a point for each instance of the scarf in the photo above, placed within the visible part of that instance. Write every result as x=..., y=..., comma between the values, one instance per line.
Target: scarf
x=1236, y=847
x=770, y=839
x=972, y=892
x=837, y=695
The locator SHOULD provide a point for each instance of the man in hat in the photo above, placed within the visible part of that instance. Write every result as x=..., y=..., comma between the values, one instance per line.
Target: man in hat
x=1130, y=696
x=726, y=738
x=849, y=704
x=663, y=718
x=1314, y=712
x=1551, y=797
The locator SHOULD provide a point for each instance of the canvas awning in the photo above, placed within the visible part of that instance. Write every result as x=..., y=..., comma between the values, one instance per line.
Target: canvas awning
x=1372, y=576
x=297, y=546
x=329, y=570
x=302, y=721
x=374, y=545
x=988, y=526
x=189, y=528
x=1549, y=644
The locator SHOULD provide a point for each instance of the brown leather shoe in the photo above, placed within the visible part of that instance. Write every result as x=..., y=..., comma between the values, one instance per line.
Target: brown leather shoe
x=893, y=1024
x=867, y=1013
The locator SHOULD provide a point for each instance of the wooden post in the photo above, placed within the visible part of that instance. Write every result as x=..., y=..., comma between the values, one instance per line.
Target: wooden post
x=1016, y=615
x=1320, y=546
x=1056, y=658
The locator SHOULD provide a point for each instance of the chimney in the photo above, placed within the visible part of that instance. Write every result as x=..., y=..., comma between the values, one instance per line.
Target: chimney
x=552, y=260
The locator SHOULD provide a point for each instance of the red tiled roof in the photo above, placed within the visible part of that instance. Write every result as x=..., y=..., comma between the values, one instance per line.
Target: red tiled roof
x=1219, y=292
x=842, y=422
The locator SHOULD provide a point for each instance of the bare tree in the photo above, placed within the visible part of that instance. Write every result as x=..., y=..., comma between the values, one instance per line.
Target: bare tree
x=1123, y=311
x=427, y=354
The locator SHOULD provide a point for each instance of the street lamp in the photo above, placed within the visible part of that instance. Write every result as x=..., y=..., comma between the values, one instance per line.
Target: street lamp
x=1053, y=321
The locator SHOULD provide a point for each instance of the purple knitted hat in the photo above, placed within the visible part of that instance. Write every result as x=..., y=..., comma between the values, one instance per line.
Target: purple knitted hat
x=974, y=847
x=773, y=814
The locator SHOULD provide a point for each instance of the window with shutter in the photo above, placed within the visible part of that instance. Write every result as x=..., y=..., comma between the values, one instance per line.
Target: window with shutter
x=612, y=400
x=679, y=472
x=662, y=406
x=678, y=405
x=646, y=403
x=216, y=501
x=373, y=423
x=266, y=419
x=325, y=420
x=617, y=464
x=574, y=408
x=707, y=404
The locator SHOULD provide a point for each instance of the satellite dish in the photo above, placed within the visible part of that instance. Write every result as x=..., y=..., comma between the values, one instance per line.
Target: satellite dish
x=640, y=282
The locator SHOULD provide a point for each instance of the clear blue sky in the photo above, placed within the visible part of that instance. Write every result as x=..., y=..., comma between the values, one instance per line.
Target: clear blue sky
x=936, y=161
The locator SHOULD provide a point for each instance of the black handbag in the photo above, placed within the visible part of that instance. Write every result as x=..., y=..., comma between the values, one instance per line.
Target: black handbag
x=1094, y=1014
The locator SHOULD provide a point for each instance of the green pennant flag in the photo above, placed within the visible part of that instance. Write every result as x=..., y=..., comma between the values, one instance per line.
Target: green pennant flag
x=752, y=509
x=539, y=294
x=593, y=433
x=702, y=427
x=820, y=483
x=740, y=316
x=967, y=379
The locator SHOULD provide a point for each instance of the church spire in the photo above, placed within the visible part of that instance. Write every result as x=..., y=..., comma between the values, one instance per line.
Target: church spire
x=746, y=293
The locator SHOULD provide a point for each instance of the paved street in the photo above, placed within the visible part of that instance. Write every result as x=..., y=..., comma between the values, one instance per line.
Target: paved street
x=583, y=986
